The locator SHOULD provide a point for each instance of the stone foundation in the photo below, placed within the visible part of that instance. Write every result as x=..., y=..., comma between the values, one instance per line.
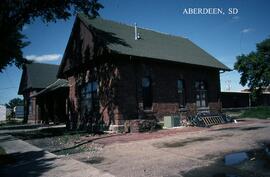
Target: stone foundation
x=140, y=125
x=117, y=128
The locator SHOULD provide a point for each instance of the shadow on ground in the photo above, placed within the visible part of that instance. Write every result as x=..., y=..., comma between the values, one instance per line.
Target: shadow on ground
x=28, y=164
x=94, y=160
x=240, y=128
x=188, y=141
x=181, y=143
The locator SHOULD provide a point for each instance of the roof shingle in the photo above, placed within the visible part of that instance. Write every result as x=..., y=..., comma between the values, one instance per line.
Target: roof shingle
x=152, y=44
x=37, y=76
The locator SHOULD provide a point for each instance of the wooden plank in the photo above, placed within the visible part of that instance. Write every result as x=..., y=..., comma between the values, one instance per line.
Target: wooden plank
x=205, y=121
x=209, y=121
x=212, y=120
x=220, y=119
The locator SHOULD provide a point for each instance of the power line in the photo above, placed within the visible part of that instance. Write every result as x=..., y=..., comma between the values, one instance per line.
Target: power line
x=8, y=88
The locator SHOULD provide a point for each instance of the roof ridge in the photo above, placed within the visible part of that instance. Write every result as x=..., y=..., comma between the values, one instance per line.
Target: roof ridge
x=129, y=25
x=179, y=49
x=160, y=32
x=44, y=63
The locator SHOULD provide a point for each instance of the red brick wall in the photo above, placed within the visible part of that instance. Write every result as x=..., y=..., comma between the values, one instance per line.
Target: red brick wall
x=78, y=68
x=164, y=85
x=33, y=116
x=104, y=110
x=72, y=93
x=128, y=102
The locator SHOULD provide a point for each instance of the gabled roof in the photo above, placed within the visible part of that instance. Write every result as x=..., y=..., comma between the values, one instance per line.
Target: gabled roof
x=37, y=76
x=153, y=45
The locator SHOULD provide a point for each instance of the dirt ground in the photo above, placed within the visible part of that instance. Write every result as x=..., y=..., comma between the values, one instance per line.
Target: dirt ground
x=187, y=152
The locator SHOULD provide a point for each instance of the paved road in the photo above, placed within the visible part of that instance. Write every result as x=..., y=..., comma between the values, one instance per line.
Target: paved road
x=32, y=161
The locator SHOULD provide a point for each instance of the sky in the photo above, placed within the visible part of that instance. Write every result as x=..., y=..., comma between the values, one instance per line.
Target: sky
x=224, y=36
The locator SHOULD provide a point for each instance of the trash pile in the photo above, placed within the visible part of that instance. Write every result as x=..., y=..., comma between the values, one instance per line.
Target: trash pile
x=207, y=119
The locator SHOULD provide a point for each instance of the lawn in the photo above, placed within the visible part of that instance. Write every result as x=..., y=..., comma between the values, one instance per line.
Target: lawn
x=261, y=112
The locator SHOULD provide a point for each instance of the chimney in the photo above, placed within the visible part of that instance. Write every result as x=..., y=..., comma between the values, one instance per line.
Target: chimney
x=135, y=32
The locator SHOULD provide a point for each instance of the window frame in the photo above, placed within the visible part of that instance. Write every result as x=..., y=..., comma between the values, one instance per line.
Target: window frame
x=147, y=99
x=89, y=97
x=181, y=93
x=201, y=95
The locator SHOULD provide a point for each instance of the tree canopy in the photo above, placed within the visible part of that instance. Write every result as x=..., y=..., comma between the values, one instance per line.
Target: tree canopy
x=14, y=102
x=14, y=14
x=255, y=68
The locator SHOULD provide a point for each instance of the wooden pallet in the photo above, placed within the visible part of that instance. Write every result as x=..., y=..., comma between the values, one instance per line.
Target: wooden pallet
x=212, y=120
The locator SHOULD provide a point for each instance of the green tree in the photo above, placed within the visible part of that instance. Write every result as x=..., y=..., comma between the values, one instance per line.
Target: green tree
x=255, y=68
x=14, y=102
x=14, y=14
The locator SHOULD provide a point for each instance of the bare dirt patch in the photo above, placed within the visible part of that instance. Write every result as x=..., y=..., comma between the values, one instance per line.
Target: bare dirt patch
x=182, y=154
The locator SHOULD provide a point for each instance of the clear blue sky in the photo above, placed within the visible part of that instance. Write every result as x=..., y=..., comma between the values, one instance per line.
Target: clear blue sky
x=223, y=36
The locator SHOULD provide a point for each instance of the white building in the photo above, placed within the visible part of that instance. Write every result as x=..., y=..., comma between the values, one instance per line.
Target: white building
x=3, y=112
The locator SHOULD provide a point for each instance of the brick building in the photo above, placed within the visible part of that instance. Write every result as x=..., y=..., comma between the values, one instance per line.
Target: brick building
x=118, y=72
x=35, y=78
x=52, y=102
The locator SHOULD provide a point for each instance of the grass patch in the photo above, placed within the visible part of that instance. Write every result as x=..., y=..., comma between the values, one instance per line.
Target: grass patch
x=46, y=133
x=75, y=150
x=55, y=140
x=72, y=151
x=261, y=112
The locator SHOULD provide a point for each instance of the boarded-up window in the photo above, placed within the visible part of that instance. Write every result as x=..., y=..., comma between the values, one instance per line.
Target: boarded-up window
x=181, y=93
x=201, y=94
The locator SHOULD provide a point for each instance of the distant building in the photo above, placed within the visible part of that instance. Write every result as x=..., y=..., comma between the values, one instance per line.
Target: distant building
x=19, y=111
x=243, y=98
x=41, y=107
x=3, y=113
